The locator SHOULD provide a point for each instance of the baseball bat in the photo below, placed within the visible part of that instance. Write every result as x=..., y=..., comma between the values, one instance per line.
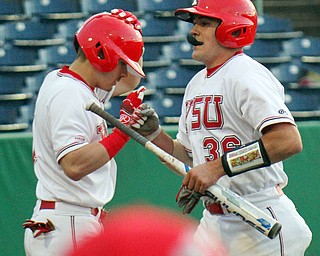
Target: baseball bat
x=234, y=203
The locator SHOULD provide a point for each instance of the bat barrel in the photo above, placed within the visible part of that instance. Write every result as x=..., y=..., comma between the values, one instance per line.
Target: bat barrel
x=245, y=210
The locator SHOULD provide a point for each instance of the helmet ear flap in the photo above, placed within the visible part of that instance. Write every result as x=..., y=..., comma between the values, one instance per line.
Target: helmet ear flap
x=109, y=58
x=104, y=56
x=235, y=36
x=76, y=44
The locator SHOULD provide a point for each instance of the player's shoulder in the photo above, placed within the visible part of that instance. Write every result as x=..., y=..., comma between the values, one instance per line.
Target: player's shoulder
x=243, y=66
x=247, y=72
x=200, y=75
x=58, y=86
x=68, y=83
x=244, y=62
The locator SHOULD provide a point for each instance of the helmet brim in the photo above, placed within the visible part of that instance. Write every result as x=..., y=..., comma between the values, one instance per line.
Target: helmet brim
x=187, y=14
x=134, y=68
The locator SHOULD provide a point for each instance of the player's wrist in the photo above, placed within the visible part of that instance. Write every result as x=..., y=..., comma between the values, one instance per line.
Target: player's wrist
x=114, y=142
x=121, y=134
x=248, y=157
x=154, y=134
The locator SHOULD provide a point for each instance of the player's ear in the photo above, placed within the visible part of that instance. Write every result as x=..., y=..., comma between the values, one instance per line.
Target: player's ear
x=76, y=44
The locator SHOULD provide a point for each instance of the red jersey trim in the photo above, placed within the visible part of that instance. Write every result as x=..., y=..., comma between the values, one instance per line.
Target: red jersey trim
x=210, y=71
x=65, y=71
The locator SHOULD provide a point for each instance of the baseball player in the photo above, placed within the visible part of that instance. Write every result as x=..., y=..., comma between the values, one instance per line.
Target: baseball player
x=72, y=150
x=235, y=130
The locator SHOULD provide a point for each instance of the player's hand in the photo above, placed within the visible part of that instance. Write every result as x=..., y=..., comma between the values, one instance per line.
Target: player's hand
x=146, y=121
x=187, y=199
x=129, y=104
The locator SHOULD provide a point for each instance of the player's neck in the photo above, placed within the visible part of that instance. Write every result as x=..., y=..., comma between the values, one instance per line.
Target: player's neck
x=212, y=69
x=83, y=71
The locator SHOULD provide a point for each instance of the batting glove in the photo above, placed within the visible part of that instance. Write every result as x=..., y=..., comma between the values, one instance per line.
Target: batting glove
x=39, y=227
x=146, y=121
x=129, y=104
x=187, y=199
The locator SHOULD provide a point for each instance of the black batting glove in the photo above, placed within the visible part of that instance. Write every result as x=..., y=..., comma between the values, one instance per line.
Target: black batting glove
x=187, y=199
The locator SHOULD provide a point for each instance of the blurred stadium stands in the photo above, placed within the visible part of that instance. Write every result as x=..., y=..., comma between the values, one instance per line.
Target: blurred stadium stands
x=36, y=36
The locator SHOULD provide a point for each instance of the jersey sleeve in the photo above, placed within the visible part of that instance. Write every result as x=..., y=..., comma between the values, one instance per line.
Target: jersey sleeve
x=260, y=98
x=71, y=124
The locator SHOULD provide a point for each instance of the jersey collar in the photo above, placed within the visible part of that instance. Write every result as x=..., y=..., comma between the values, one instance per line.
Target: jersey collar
x=65, y=71
x=210, y=71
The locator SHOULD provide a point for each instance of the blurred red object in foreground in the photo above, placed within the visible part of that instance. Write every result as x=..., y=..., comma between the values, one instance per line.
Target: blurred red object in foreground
x=141, y=230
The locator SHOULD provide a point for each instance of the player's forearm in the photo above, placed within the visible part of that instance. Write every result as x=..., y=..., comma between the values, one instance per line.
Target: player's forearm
x=281, y=141
x=172, y=147
x=85, y=160
x=180, y=153
x=164, y=141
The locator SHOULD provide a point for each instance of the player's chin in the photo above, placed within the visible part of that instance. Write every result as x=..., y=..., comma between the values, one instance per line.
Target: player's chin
x=196, y=55
x=108, y=87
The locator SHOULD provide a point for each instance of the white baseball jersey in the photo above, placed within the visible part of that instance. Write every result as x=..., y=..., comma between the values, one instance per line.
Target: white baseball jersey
x=227, y=107
x=61, y=125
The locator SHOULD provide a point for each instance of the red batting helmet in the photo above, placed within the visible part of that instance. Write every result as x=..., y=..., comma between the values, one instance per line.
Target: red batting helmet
x=105, y=38
x=238, y=19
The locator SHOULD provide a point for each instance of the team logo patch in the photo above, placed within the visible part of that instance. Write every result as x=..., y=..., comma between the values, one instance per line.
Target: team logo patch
x=79, y=138
x=282, y=112
x=102, y=130
x=125, y=119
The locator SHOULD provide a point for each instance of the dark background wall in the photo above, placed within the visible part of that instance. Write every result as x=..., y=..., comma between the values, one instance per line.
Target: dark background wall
x=303, y=14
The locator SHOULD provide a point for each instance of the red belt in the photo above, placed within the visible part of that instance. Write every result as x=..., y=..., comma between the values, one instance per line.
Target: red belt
x=51, y=205
x=214, y=208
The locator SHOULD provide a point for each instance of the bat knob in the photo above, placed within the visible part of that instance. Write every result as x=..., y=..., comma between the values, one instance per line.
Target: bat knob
x=90, y=104
x=274, y=231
